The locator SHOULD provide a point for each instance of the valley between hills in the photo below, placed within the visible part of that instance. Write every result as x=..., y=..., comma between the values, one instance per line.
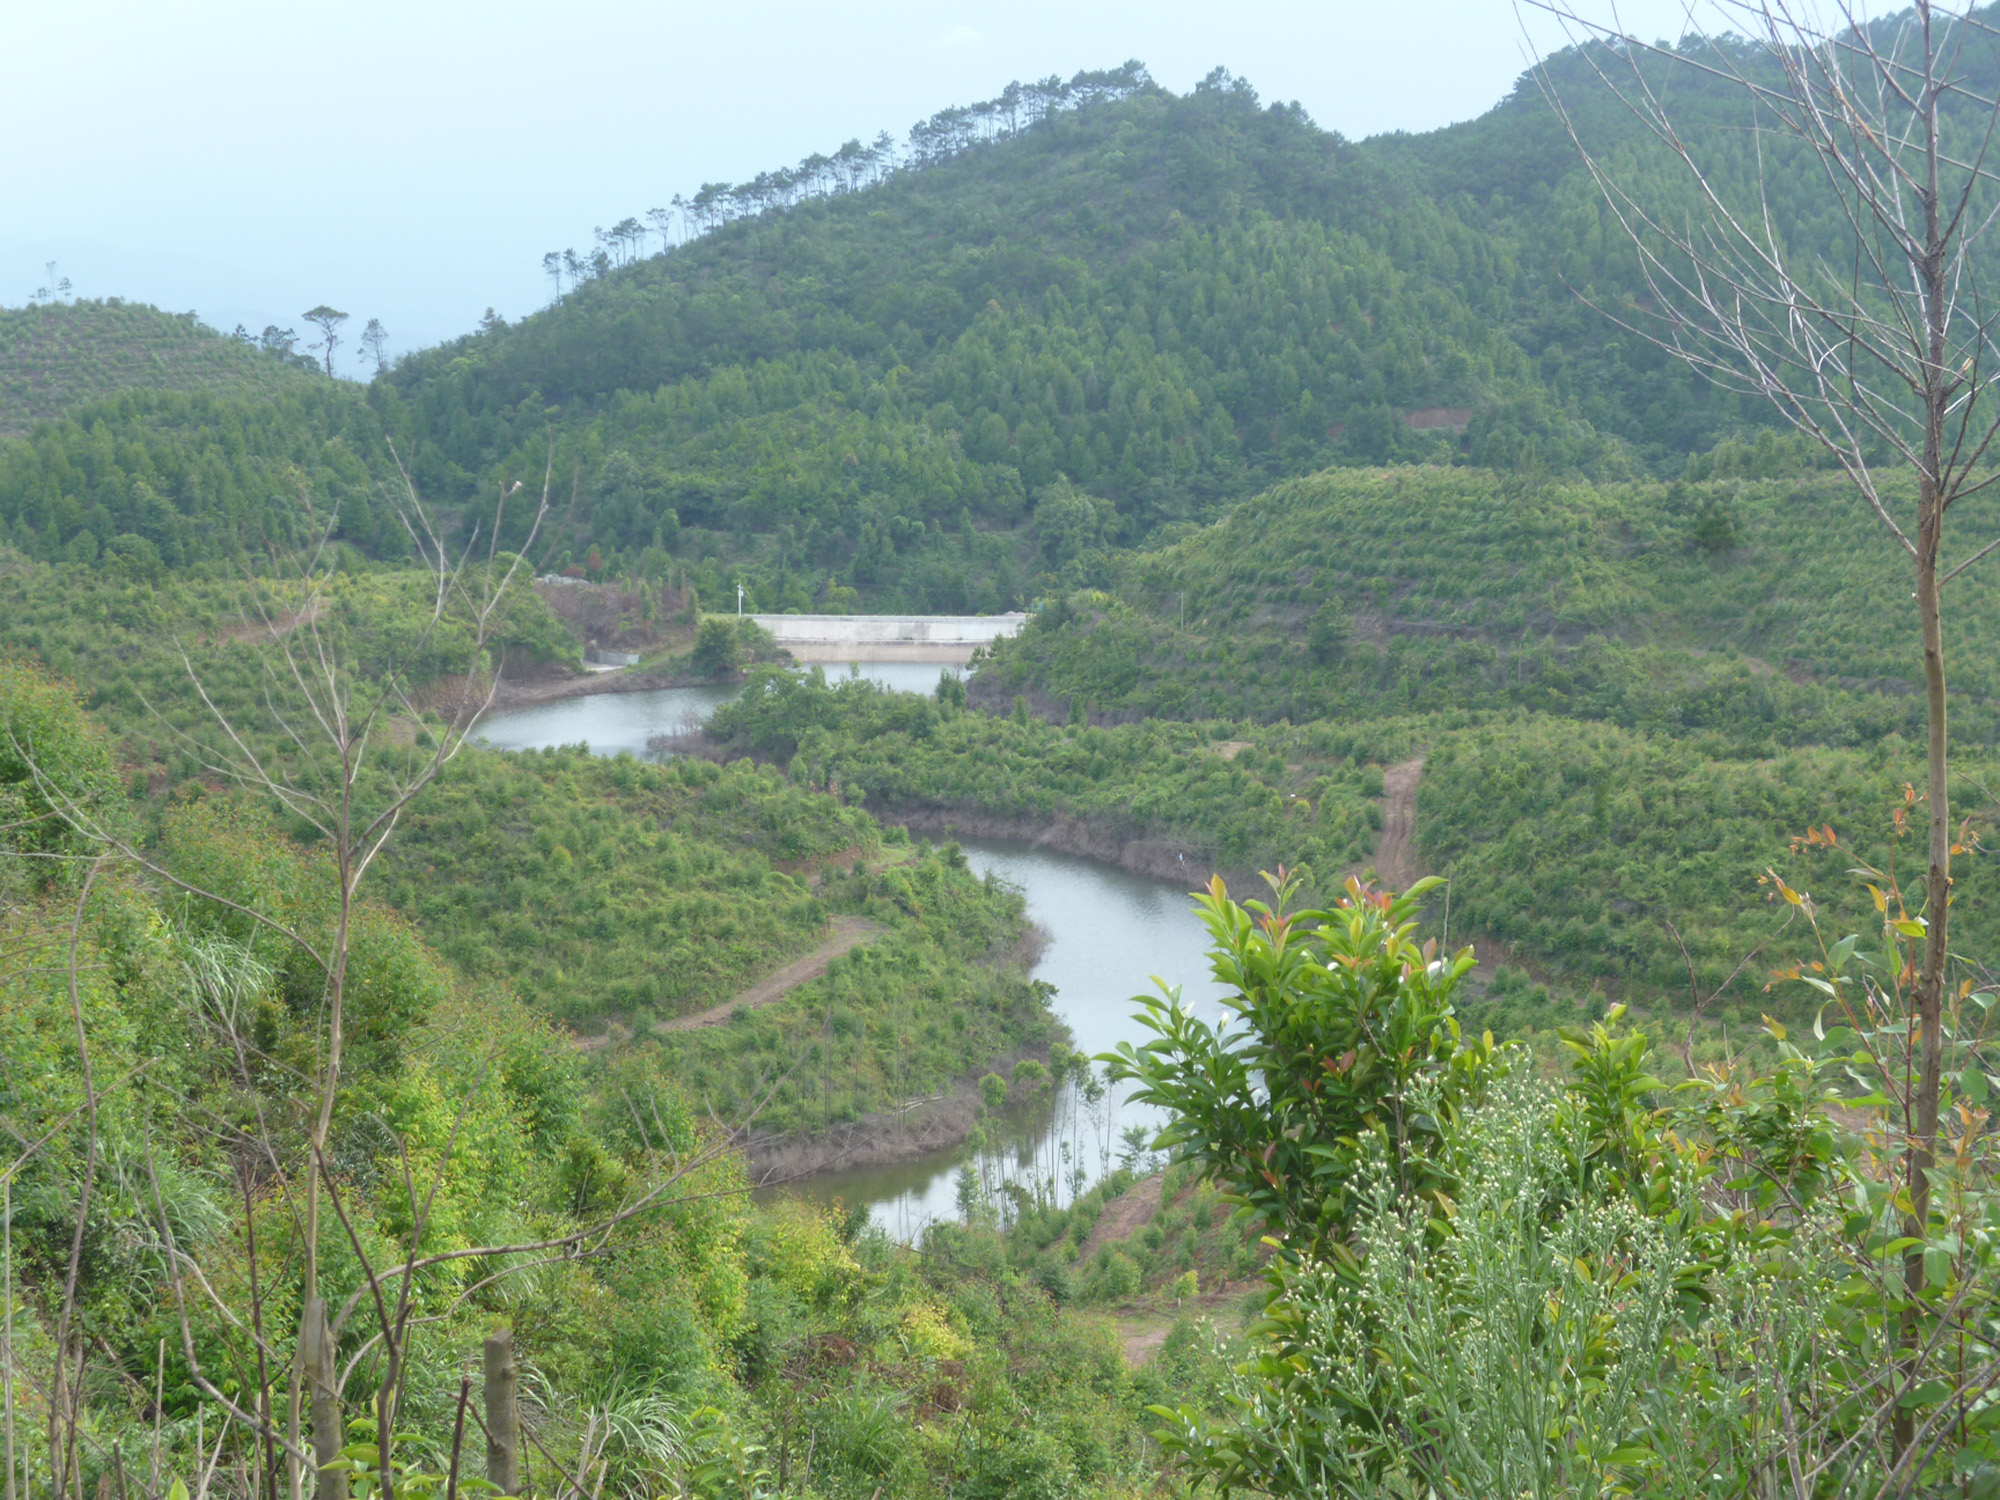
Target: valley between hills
x=1516, y=746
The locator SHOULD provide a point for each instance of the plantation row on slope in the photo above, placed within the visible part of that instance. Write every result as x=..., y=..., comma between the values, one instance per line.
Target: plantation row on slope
x=1757, y=612
x=704, y=1327
x=55, y=357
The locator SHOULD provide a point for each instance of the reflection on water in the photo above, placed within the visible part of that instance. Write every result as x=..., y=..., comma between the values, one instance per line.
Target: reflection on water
x=611, y=722
x=606, y=722
x=1110, y=933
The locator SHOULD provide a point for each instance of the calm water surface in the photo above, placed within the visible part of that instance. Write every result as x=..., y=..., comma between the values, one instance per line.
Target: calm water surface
x=1110, y=934
x=611, y=722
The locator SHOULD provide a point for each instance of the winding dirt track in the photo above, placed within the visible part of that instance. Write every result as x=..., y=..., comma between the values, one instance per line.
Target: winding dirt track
x=1396, y=851
x=1395, y=865
x=848, y=933
x=1124, y=1215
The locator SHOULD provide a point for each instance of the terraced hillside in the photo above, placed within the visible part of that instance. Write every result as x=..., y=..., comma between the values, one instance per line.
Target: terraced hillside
x=58, y=356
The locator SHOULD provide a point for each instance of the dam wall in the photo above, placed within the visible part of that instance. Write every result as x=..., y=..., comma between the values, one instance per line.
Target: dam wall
x=947, y=639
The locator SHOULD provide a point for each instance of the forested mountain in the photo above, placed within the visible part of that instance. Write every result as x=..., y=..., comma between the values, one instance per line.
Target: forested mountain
x=1054, y=324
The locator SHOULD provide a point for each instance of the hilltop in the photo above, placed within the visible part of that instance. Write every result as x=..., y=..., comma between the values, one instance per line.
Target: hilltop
x=936, y=376
x=55, y=357
x=1758, y=607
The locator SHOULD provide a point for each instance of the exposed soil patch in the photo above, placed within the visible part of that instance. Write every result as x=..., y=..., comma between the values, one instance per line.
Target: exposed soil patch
x=1140, y=1335
x=1396, y=852
x=848, y=933
x=613, y=1032
x=1142, y=1330
x=1124, y=1215
x=839, y=859
x=1230, y=749
x=282, y=623
x=621, y=616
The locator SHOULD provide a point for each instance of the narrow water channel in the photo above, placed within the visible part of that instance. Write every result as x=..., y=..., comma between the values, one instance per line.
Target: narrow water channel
x=1110, y=933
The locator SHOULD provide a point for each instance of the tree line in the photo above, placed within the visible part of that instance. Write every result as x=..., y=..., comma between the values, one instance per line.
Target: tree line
x=852, y=167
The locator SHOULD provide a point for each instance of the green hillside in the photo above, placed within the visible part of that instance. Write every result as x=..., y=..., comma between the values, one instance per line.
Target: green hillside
x=1035, y=336
x=1761, y=610
x=690, y=1313
x=55, y=357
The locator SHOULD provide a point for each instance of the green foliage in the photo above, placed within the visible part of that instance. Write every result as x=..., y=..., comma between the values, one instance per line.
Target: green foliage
x=1598, y=1287
x=58, y=356
x=56, y=773
x=1329, y=632
x=722, y=645
x=1768, y=612
x=718, y=650
x=1343, y=1037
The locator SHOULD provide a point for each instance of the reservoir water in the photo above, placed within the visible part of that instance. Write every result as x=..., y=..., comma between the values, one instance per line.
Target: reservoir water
x=611, y=722
x=1109, y=934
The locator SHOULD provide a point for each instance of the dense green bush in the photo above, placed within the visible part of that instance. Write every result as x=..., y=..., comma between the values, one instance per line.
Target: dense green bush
x=1491, y=1284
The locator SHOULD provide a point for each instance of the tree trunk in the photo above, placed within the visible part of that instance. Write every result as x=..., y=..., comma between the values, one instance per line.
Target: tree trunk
x=316, y=1358
x=503, y=1414
x=1939, y=393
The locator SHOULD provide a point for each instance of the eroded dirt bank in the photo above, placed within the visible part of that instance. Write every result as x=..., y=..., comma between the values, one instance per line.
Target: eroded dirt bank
x=883, y=1139
x=525, y=689
x=1158, y=857
x=1162, y=858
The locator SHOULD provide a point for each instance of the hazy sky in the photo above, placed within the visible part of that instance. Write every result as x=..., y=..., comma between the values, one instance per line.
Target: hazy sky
x=412, y=159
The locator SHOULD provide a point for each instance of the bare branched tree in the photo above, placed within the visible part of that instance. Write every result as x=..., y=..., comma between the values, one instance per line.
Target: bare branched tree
x=1878, y=347
x=342, y=773
x=355, y=748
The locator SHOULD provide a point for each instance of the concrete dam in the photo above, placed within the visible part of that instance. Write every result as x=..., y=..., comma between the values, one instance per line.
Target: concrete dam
x=938, y=638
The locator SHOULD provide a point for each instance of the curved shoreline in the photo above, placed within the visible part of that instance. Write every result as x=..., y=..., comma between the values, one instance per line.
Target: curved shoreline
x=527, y=692
x=1154, y=856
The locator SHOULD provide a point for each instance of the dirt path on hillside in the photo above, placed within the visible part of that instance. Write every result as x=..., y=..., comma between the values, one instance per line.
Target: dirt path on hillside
x=1396, y=852
x=284, y=622
x=1123, y=1215
x=848, y=933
